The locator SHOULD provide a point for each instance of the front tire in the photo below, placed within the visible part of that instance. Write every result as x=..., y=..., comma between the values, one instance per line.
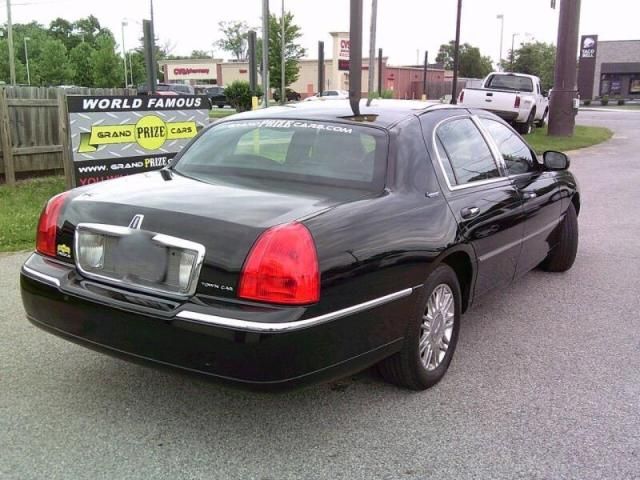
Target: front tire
x=563, y=255
x=431, y=336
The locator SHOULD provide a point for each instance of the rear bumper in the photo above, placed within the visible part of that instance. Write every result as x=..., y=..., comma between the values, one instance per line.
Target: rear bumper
x=187, y=335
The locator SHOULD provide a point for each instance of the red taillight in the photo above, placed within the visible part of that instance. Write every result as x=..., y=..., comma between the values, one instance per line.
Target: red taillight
x=48, y=225
x=461, y=97
x=516, y=104
x=282, y=267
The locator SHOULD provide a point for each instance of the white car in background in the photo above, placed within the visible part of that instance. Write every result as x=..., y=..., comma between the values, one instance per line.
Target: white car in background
x=329, y=95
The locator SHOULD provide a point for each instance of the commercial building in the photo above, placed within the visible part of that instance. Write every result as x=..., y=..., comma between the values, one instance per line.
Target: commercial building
x=404, y=81
x=609, y=68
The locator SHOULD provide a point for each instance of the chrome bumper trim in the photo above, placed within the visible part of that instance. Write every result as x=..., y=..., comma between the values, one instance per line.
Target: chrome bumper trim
x=30, y=272
x=260, y=327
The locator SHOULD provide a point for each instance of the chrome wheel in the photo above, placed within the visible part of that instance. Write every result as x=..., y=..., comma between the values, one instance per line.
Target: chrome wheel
x=437, y=327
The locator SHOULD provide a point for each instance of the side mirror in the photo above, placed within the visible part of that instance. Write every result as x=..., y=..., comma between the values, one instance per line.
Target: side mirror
x=555, y=160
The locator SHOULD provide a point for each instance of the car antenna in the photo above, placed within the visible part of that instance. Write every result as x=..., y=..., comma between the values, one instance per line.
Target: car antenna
x=355, y=56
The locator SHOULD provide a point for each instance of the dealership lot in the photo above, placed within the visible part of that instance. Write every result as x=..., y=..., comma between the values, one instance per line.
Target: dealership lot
x=545, y=383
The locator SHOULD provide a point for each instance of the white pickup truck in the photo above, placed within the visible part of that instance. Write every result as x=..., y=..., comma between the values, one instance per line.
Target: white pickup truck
x=515, y=97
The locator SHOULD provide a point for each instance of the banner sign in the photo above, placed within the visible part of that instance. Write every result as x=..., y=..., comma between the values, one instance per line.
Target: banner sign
x=116, y=136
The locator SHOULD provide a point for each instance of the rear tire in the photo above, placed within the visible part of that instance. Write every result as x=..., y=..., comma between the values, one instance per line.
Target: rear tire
x=563, y=255
x=542, y=122
x=528, y=127
x=412, y=367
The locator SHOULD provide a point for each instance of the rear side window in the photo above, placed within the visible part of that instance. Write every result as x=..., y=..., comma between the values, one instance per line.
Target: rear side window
x=514, y=151
x=510, y=82
x=465, y=156
x=290, y=150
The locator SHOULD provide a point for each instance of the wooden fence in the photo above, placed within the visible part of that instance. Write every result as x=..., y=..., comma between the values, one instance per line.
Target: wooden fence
x=33, y=129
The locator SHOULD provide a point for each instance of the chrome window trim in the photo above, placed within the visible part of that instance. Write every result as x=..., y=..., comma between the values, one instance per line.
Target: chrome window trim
x=264, y=327
x=490, y=144
x=162, y=239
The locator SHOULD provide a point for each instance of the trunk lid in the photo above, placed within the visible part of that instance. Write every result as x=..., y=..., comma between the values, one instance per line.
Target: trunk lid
x=226, y=216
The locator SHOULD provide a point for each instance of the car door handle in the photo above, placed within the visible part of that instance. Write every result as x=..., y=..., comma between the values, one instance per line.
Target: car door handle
x=469, y=212
x=529, y=195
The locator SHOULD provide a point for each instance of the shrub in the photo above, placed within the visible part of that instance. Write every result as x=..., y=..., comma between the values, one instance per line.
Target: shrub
x=239, y=95
x=604, y=100
x=385, y=94
x=621, y=101
x=587, y=103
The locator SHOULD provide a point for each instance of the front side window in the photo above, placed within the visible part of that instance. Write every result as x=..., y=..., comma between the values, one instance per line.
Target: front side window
x=516, y=154
x=300, y=151
x=462, y=146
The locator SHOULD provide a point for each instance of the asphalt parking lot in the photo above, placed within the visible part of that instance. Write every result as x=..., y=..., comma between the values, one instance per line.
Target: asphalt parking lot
x=545, y=383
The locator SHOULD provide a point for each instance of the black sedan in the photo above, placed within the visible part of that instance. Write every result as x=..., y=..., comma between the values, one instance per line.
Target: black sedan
x=297, y=244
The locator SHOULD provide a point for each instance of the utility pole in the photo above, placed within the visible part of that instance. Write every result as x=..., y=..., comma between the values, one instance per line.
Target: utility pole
x=501, y=18
x=561, y=111
x=424, y=75
x=456, y=55
x=124, y=53
x=320, y=68
x=265, y=53
x=12, y=66
x=380, y=72
x=372, y=46
x=151, y=64
x=355, y=56
x=283, y=87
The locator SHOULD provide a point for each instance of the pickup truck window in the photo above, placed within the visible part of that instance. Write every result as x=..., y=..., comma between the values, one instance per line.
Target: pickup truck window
x=510, y=82
x=517, y=155
x=461, y=145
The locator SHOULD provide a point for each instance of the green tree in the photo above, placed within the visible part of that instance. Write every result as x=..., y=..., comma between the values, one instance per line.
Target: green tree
x=21, y=76
x=138, y=69
x=52, y=66
x=81, y=59
x=200, y=54
x=234, y=39
x=64, y=30
x=293, y=51
x=472, y=64
x=107, y=66
x=535, y=58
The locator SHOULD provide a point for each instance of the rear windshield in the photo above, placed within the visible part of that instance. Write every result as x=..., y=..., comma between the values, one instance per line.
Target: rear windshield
x=510, y=82
x=301, y=151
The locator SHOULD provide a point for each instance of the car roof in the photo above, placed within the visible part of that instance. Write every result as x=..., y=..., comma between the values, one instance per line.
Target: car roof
x=381, y=112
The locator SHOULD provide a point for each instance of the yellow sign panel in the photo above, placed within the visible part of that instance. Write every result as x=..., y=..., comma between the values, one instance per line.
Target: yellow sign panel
x=149, y=132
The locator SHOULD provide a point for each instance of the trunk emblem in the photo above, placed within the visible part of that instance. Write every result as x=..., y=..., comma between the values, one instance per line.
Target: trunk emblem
x=136, y=222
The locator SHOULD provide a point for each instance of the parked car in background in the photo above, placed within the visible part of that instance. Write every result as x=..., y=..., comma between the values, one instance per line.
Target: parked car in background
x=515, y=97
x=216, y=96
x=329, y=95
x=292, y=95
x=290, y=245
x=168, y=89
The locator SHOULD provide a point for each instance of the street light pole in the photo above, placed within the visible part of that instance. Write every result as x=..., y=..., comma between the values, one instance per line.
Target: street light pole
x=372, y=47
x=12, y=66
x=283, y=87
x=124, y=53
x=501, y=18
x=26, y=59
x=513, y=39
x=265, y=53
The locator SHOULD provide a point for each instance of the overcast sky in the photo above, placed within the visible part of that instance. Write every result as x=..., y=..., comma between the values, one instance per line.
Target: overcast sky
x=404, y=26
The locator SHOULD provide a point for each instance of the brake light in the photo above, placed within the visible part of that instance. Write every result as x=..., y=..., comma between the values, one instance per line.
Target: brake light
x=282, y=267
x=48, y=225
x=516, y=104
x=461, y=97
